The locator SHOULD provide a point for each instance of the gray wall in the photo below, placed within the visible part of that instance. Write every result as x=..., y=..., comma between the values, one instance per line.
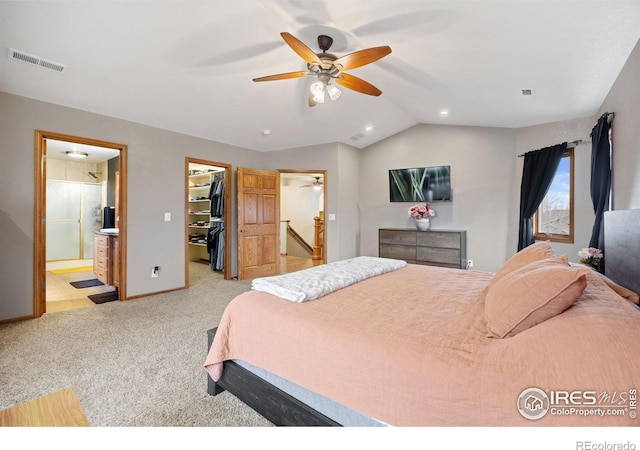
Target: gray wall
x=487, y=172
x=533, y=138
x=482, y=163
x=485, y=169
x=156, y=163
x=340, y=161
x=624, y=100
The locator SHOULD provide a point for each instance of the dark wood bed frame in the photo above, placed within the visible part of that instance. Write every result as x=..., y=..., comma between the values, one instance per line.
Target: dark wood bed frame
x=622, y=259
x=272, y=403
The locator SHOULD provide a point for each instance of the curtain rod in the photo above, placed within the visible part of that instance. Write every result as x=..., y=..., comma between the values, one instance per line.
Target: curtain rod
x=609, y=116
x=577, y=142
x=569, y=145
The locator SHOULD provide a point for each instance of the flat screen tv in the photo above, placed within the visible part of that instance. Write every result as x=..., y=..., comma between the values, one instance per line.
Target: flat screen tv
x=424, y=184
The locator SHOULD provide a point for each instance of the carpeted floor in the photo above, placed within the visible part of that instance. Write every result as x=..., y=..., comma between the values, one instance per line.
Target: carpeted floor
x=137, y=363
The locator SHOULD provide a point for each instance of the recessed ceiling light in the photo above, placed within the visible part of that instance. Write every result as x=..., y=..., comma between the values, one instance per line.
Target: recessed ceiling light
x=368, y=128
x=266, y=133
x=76, y=154
x=444, y=113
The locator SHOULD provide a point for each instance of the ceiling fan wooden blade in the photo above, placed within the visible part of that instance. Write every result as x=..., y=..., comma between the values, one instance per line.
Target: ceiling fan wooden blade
x=357, y=84
x=302, y=50
x=283, y=76
x=361, y=57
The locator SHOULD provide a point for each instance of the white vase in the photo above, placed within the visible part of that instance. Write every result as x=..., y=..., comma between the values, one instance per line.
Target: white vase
x=423, y=224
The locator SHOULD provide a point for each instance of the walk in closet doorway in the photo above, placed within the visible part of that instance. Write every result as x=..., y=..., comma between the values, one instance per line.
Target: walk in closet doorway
x=207, y=217
x=80, y=185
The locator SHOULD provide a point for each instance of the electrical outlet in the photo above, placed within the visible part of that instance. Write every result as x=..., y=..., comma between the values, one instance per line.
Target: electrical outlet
x=155, y=271
x=469, y=263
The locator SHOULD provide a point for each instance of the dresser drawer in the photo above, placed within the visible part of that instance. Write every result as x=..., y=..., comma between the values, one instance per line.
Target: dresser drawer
x=101, y=240
x=397, y=237
x=104, y=258
x=439, y=255
x=438, y=239
x=101, y=252
x=406, y=252
x=444, y=248
x=101, y=261
x=102, y=274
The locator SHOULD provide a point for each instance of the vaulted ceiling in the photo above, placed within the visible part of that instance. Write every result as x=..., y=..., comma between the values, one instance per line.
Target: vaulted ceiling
x=188, y=66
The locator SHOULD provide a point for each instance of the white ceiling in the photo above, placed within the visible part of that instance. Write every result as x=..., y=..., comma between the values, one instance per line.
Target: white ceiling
x=58, y=150
x=188, y=66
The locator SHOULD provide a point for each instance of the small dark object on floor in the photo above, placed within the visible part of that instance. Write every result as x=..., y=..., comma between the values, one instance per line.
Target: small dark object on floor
x=86, y=283
x=104, y=297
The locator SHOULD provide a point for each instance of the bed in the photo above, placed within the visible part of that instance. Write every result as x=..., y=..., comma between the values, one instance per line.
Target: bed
x=542, y=342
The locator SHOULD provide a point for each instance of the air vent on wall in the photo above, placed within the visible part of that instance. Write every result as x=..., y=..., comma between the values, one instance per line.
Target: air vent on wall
x=36, y=60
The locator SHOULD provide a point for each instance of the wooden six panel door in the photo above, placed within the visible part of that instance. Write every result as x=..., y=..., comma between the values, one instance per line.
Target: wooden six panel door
x=258, y=223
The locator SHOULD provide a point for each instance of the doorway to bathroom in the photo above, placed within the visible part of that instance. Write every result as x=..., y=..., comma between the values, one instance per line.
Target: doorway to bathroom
x=79, y=207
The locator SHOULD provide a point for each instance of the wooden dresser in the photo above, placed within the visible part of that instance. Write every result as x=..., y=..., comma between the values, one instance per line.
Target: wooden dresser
x=444, y=248
x=106, y=257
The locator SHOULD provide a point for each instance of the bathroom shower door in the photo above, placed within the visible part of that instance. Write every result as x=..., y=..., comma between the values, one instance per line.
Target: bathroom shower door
x=73, y=213
x=91, y=216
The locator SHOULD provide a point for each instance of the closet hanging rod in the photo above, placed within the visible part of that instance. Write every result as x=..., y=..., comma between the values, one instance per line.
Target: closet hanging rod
x=569, y=145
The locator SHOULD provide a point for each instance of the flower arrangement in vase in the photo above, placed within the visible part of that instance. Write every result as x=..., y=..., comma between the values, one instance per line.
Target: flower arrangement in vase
x=421, y=212
x=590, y=256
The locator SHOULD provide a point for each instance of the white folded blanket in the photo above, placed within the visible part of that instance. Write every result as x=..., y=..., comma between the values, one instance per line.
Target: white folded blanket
x=317, y=281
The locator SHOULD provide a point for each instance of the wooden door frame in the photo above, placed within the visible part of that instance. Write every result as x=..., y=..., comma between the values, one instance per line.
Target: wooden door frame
x=227, y=214
x=39, y=235
x=325, y=202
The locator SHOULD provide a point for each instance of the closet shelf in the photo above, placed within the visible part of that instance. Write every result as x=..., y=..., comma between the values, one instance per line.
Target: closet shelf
x=205, y=208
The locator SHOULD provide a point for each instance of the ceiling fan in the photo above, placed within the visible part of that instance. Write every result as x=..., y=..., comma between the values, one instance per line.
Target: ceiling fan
x=330, y=69
x=317, y=185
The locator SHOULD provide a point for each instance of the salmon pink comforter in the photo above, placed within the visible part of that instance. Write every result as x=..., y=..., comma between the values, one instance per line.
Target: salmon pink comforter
x=410, y=348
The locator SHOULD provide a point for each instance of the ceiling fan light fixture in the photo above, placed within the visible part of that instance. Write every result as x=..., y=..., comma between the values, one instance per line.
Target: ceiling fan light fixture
x=329, y=67
x=317, y=187
x=333, y=92
x=317, y=89
x=318, y=98
x=320, y=88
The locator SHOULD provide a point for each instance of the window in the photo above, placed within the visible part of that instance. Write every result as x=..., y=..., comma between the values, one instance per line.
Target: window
x=553, y=221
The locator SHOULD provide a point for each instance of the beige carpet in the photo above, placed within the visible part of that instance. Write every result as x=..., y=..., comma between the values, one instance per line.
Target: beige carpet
x=131, y=364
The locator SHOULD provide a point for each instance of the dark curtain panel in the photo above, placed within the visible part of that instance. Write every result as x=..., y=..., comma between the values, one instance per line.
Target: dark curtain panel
x=600, y=179
x=537, y=173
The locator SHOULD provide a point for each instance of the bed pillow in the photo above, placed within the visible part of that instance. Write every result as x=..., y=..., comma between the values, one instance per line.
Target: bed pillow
x=620, y=290
x=532, y=294
x=534, y=252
